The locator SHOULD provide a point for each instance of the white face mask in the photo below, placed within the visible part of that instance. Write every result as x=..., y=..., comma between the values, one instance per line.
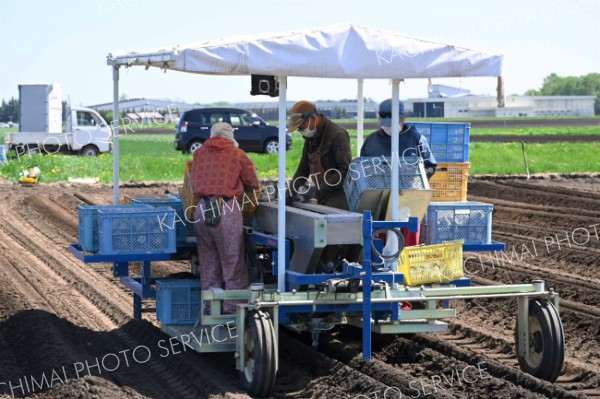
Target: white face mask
x=388, y=129
x=308, y=132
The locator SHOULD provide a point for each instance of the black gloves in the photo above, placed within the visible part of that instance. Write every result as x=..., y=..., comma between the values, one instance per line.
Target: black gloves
x=430, y=170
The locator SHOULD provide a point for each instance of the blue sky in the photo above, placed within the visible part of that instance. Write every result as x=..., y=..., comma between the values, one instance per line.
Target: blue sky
x=67, y=42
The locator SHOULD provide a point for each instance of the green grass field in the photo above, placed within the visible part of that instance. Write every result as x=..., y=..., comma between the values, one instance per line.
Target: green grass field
x=152, y=158
x=538, y=131
x=507, y=158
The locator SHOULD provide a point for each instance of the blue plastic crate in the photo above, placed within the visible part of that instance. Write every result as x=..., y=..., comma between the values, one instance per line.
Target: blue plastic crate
x=136, y=230
x=178, y=301
x=3, y=158
x=449, y=142
x=88, y=224
x=181, y=225
x=374, y=173
x=452, y=221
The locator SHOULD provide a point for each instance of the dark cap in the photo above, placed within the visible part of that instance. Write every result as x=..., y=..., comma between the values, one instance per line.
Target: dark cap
x=385, y=112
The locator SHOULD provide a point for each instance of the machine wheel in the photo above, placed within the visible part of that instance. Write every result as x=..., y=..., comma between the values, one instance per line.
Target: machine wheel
x=546, y=342
x=194, y=145
x=260, y=346
x=271, y=146
x=89, y=151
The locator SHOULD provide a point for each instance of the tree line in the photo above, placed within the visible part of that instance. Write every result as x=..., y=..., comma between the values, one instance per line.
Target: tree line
x=9, y=111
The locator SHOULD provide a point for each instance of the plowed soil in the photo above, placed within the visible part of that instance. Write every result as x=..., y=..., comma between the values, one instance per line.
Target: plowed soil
x=66, y=328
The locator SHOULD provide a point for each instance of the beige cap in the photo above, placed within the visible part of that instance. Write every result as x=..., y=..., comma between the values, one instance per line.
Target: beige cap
x=223, y=129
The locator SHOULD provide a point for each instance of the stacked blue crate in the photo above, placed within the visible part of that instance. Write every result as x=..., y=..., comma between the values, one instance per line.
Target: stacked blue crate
x=449, y=142
x=181, y=225
x=88, y=224
x=136, y=230
x=178, y=301
x=467, y=221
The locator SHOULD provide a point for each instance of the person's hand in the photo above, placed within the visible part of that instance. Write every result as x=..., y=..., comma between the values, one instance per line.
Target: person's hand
x=305, y=193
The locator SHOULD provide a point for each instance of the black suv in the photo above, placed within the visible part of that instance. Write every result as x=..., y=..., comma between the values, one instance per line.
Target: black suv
x=250, y=131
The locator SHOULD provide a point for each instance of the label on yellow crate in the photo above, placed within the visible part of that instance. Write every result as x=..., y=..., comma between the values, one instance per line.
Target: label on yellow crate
x=440, y=263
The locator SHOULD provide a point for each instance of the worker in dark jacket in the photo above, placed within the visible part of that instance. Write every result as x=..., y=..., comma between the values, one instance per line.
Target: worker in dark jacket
x=412, y=143
x=326, y=155
x=326, y=158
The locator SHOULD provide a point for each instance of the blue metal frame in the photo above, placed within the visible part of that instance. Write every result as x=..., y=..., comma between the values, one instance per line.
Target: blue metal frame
x=141, y=286
x=271, y=241
x=367, y=305
x=368, y=226
x=349, y=271
x=76, y=250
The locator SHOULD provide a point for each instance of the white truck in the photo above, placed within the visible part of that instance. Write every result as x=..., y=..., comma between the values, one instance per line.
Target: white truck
x=41, y=128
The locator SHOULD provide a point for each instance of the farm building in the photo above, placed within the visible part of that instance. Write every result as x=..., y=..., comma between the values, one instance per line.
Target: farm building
x=451, y=102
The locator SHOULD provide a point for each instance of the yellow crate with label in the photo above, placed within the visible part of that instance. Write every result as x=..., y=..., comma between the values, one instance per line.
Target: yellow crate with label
x=439, y=263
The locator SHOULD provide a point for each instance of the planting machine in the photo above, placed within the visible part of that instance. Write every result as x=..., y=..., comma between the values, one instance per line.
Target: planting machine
x=292, y=285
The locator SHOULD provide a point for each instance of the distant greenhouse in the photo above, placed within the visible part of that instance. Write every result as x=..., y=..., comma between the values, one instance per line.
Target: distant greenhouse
x=141, y=108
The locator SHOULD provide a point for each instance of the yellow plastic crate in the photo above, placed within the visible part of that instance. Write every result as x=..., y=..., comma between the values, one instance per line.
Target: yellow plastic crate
x=439, y=263
x=450, y=182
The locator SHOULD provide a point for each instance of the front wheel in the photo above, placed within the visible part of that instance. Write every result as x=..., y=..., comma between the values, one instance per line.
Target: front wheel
x=546, y=355
x=272, y=146
x=89, y=151
x=260, y=350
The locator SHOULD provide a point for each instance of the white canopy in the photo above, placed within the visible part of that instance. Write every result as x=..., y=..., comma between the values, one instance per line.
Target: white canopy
x=339, y=51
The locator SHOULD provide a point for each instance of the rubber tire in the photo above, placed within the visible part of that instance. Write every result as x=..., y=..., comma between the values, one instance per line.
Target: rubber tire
x=550, y=336
x=194, y=145
x=259, y=382
x=271, y=146
x=89, y=150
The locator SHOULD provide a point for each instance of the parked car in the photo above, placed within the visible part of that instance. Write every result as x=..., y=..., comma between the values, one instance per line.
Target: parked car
x=250, y=131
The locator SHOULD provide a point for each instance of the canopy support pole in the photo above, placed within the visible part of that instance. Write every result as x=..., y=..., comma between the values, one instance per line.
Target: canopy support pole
x=115, y=129
x=281, y=185
x=360, y=117
x=396, y=156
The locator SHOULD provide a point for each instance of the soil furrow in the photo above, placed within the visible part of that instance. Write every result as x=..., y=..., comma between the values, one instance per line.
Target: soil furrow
x=52, y=300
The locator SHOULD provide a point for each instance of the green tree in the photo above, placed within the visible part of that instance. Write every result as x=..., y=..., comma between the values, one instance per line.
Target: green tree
x=554, y=85
x=4, y=111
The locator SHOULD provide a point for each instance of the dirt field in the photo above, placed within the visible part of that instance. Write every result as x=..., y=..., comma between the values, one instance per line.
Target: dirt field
x=66, y=329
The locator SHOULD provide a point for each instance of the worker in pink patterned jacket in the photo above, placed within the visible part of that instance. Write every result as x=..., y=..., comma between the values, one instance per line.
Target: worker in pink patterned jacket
x=221, y=172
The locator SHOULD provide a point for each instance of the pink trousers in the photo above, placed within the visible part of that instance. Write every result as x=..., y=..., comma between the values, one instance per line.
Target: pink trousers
x=221, y=250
